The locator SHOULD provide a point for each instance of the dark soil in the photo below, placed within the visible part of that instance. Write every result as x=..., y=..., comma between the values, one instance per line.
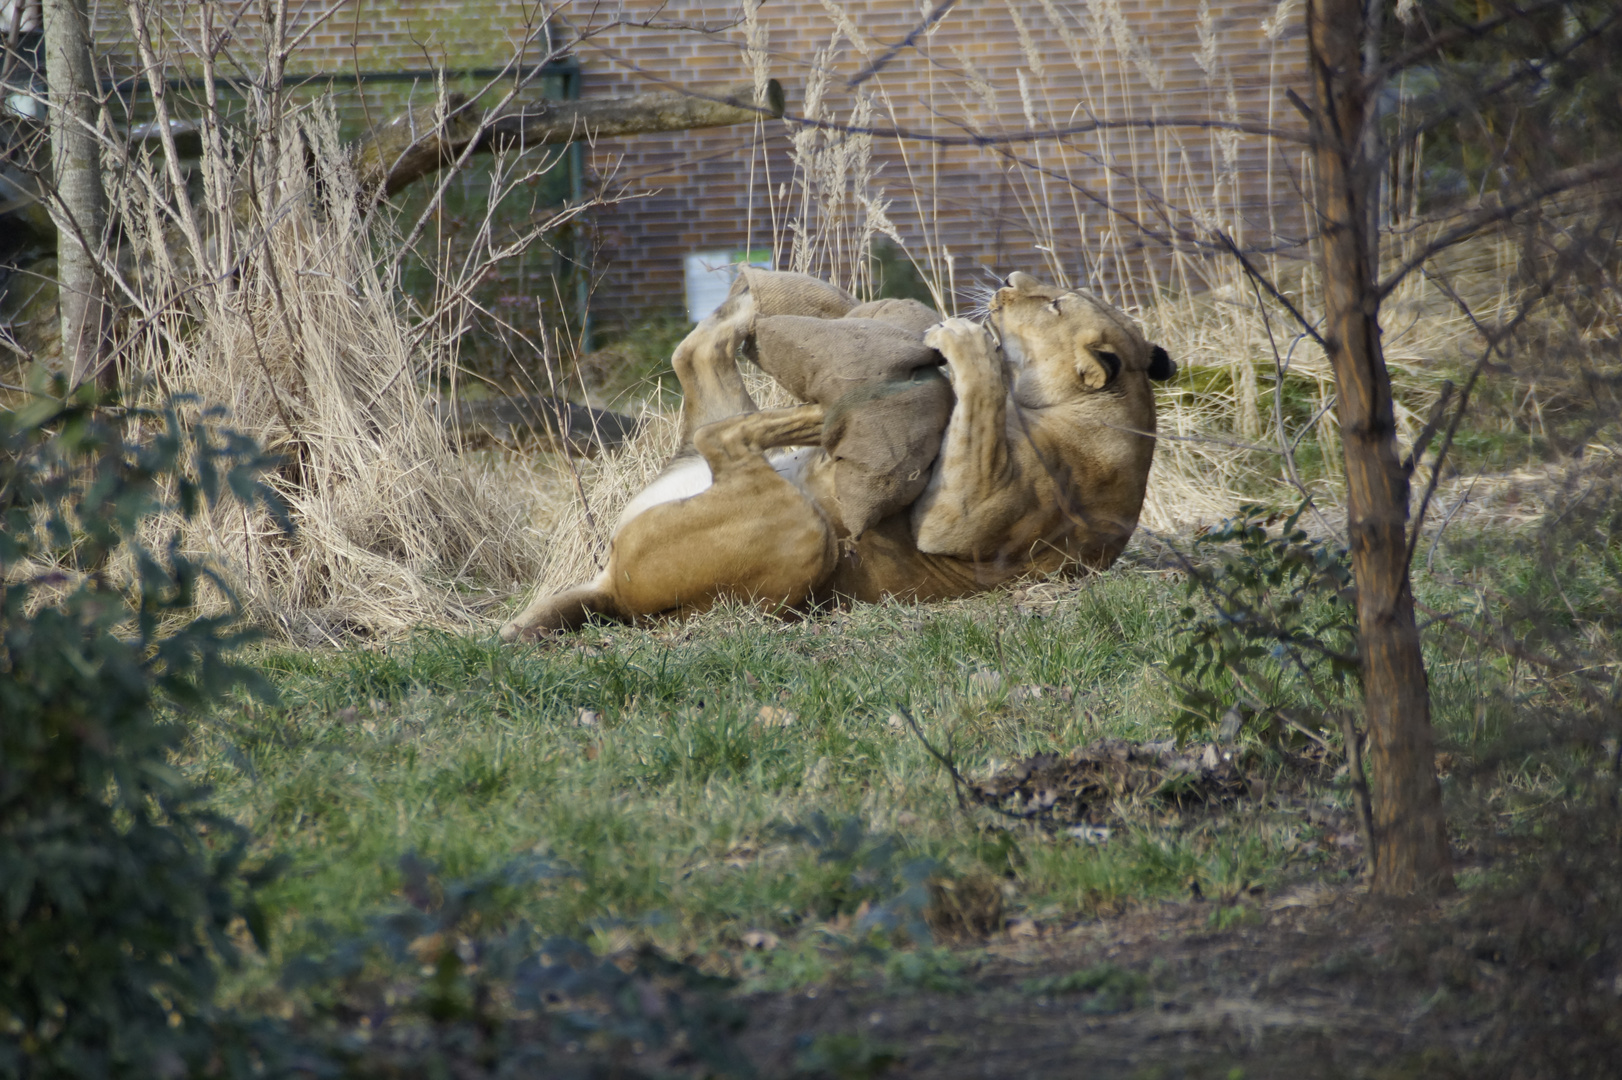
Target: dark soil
x=1320, y=982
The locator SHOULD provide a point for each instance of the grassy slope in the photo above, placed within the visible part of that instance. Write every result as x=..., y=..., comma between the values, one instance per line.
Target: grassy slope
x=666, y=805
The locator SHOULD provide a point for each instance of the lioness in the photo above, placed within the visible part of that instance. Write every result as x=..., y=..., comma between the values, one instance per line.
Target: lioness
x=1042, y=466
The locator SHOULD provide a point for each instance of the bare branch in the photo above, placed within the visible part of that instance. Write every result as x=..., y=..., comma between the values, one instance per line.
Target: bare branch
x=1441, y=41
x=935, y=16
x=1257, y=276
x=1497, y=209
x=976, y=138
x=425, y=140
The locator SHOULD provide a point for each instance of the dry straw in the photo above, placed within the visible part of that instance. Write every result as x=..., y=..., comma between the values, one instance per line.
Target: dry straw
x=308, y=348
x=279, y=296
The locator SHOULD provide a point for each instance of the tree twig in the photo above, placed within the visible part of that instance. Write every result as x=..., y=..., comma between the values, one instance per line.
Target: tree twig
x=1360, y=786
x=935, y=16
x=1500, y=210
x=958, y=782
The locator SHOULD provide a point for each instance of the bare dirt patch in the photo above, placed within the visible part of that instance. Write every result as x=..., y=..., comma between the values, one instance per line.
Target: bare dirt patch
x=1306, y=988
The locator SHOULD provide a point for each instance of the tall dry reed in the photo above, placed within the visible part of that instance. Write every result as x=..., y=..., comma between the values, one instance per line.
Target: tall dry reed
x=279, y=296
x=307, y=347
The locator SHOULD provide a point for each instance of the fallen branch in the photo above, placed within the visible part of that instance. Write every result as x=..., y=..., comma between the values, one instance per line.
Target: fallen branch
x=422, y=141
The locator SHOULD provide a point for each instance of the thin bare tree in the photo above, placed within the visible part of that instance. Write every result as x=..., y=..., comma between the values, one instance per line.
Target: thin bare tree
x=1410, y=830
x=79, y=199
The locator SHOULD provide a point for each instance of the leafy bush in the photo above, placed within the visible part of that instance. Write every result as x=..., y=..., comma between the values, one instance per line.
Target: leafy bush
x=1277, y=628
x=119, y=893
x=451, y=979
x=872, y=879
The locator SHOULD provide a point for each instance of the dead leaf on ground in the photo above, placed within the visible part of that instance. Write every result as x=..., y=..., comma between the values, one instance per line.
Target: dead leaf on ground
x=1039, y=692
x=1089, y=834
x=985, y=681
x=773, y=716
x=1088, y=787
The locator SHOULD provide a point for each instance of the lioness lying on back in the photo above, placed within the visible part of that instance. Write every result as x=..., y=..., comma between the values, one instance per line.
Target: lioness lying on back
x=1042, y=465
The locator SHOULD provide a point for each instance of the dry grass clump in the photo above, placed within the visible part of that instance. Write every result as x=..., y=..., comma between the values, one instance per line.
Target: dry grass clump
x=1226, y=434
x=307, y=347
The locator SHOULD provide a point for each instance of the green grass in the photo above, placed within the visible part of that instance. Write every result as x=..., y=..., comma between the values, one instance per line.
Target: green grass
x=651, y=766
x=669, y=810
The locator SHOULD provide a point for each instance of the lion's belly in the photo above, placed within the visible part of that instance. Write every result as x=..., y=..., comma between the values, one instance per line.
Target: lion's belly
x=689, y=475
x=885, y=562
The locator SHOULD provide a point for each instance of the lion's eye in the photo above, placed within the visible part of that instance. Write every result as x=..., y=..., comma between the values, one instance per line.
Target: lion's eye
x=1055, y=305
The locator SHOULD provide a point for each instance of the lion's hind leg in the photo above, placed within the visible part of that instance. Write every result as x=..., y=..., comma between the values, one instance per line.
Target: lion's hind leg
x=752, y=535
x=706, y=365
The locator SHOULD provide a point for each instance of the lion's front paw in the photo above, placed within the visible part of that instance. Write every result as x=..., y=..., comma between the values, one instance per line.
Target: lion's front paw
x=956, y=335
x=970, y=353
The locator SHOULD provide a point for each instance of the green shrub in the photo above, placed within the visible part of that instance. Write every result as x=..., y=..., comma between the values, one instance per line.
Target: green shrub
x=452, y=981
x=869, y=873
x=1271, y=628
x=119, y=893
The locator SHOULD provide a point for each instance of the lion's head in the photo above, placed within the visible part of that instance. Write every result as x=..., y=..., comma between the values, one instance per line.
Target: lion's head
x=1063, y=343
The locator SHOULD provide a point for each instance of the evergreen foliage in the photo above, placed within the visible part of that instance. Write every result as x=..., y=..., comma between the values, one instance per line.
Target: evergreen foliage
x=120, y=893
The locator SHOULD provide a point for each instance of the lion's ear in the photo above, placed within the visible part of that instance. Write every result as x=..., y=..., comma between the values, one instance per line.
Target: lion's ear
x=1097, y=367
x=1161, y=365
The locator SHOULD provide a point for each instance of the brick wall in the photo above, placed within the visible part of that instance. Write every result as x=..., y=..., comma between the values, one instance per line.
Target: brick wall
x=713, y=189
x=364, y=35
x=993, y=208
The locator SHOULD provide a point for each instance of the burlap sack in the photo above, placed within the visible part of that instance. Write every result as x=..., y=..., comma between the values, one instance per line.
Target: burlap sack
x=887, y=401
x=908, y=314
x=778, y=292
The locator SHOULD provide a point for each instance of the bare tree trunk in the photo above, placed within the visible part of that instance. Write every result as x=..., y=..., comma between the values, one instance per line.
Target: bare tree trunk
x=1410, y=841
x=80, y=205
